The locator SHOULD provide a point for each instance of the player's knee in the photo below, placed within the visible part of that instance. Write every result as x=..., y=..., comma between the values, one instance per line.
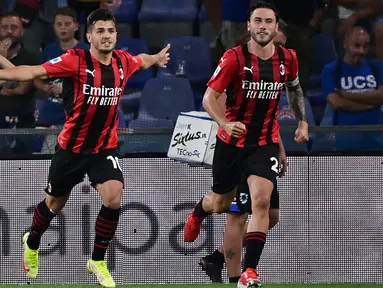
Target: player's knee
x=56, y=204
x=273, y=218
x=237, y=219
x=111, y=193
x=221, y=204
x=261, y=202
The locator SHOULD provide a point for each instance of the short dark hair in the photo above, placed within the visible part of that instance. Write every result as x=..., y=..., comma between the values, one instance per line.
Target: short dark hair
x=100, y=15
x=263, y=4
x=67, y=11
x=10, y=14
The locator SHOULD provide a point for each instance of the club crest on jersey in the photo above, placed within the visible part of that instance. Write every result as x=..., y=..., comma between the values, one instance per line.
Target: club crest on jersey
x=55, y=60
x=282, y=69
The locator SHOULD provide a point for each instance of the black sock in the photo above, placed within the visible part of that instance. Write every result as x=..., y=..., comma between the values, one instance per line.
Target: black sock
x=217, y=258
x=255, y=241
x=106, y=226
x=42, y=218
x=198, y=210
x=234, y=279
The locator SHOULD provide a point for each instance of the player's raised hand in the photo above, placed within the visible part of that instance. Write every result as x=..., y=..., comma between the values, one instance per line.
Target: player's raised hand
x=163, y=57
x=234, y=129
x=302, y=133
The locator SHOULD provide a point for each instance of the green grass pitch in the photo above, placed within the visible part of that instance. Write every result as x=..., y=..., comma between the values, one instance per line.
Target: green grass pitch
x=206, y=286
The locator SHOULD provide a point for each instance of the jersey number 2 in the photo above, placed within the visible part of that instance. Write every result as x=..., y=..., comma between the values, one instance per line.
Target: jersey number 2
x=116, y=164
x=274, y=167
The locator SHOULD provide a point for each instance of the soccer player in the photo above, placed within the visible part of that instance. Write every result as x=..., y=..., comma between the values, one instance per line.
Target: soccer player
x=240, y=208
x=94, y=82
x=247, y=140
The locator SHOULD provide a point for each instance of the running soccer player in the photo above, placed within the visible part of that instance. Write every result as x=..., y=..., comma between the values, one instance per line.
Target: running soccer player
x=236, y=222
x=247, y=140
x=94, y=82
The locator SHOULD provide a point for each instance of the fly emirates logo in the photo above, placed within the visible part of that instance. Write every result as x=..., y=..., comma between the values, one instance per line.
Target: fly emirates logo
x=262, y=89
x=102, y=96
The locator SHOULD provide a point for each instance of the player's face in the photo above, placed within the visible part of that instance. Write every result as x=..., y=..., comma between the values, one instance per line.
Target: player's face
x=356, y=46
x=262, y=26
x=103, y=36
x=280, y=38
x=65, y=27
x=12, y=28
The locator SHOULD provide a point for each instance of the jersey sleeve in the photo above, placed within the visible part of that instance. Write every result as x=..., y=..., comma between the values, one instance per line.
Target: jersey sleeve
x=65, y=65
x=133, y=63
x=328, y=83
x=224, y=73
x=293, y=77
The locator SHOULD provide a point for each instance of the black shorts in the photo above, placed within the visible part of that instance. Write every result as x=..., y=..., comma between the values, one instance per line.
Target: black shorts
x=242, y=201
x=68, y=169
x=230, y=162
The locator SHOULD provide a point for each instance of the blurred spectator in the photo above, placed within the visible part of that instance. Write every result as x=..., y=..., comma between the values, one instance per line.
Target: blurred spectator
x=303, y=19
x=51, y=110
x=354, y=87
x=17, y=103
x=367, y=13
x=38, y=17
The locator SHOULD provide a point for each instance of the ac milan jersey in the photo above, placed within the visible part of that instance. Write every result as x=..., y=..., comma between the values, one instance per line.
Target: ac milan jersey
x=253, y=87
x=91, y=95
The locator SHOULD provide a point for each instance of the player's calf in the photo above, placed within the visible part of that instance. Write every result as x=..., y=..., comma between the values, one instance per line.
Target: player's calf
x=108, y=217
x=210, y=203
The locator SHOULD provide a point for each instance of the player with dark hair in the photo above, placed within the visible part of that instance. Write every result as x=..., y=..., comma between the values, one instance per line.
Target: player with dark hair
x=94, y=82
x=230, y=252
x=247, y=140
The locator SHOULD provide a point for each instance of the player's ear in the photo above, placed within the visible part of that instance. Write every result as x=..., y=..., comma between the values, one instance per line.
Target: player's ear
x=89, y=37
x=277, y=27
x=248, y=25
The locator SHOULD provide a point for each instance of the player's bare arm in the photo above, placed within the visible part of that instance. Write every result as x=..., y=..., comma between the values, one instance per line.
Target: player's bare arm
x=374, y=97
x=340, y=103
x=160, y=59
x=5, y=63
x=296, y=99
x=23, y=73
x=211, y=105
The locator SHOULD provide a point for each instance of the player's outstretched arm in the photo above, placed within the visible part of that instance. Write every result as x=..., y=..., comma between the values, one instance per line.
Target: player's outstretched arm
x=5, y=63
x=23, y=73
x=160, y=59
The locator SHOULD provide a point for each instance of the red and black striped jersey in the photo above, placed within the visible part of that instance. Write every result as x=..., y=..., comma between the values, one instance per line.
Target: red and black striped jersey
x=91, y=95
x=254, y=87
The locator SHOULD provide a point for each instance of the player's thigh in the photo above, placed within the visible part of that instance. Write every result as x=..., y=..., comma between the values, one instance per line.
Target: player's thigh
x=105, y=166
x=67, y=169
x=261, y=169
x=263, y=162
